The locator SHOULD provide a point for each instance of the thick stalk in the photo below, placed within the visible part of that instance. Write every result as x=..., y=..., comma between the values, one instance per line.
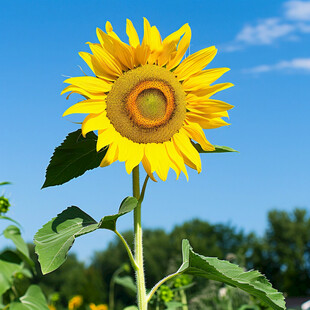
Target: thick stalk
x=141, y=292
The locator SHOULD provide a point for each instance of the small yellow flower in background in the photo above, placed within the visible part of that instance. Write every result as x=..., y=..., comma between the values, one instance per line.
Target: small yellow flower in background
x=98, y=307
x=93, y=307
x=75, y=302
x=52, y=307
x=146, y=103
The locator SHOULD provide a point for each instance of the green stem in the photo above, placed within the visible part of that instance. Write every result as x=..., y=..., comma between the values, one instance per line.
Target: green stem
x=143, y=189
x=162, y=281
x=132, y=260
x=141, y=292
x=112, y=285
x=183, y=300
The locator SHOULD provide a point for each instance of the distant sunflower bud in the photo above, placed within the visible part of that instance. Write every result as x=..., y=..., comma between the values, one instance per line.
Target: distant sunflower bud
x=4, y=205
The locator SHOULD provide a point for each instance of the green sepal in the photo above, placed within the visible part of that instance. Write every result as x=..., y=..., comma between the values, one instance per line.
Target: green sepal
x=252, y=282
x=55, y=238
x=218, y=149
x=32, y=300
x=72, y=158
x=127, y=205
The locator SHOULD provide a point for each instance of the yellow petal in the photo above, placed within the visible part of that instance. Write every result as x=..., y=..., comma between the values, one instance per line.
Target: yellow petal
x=132, y=34
x=142, y=54
x=116, y=48
x=176, y=158
x=188, y=151
x=135, y=155
x=109, y=65
x=156, y=43
x=110, y=32
x=94, y=122
x=147, y=167
x=195, y=63
x=205, y=77
x=111, y=156
x=205, y=123
x=123, y=145
x=83, y=92
x=182, y=45
x=166, y=53
x=90, y=83
x=105, y=137
x=147, y=33
x=206, y=105
x=196, y=133
x=87, y=106
x=95, y=65
x=157, y=155
x=208, y=91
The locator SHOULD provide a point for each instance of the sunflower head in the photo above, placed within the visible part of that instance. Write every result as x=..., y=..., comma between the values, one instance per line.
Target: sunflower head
x=146, y=104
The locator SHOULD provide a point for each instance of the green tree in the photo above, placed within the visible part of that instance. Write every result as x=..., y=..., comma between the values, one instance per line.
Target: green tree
x=283, y=254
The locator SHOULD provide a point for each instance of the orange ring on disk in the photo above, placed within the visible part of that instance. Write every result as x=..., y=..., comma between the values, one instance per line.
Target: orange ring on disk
x=135, y=113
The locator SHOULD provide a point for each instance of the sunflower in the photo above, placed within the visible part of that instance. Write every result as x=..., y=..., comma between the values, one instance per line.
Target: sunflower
x=146, y=104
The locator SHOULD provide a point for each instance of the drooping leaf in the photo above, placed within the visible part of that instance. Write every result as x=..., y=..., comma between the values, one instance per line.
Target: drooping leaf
x=218, y=149
x=127, y=282
x=252, y=282
x=127, y=205
x=55, y=238
x=32, y=300
x=73, y=158
x=12, y=232
x=5, y=183
x=10, y=264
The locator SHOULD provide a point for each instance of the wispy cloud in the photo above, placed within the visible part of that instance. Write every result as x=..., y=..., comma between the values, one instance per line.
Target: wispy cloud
x=297, y=64
x=265, y=31
x=294, y=21
x=297, y=10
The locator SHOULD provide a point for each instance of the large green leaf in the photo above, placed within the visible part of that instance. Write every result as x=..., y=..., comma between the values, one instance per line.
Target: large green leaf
x=32, y=300
x=73, y=158
x=10, y=264
x=218, y=149
x=55, y=238
x=212, y=268
x=5, y=183
x=127, y=205
x=12, y=232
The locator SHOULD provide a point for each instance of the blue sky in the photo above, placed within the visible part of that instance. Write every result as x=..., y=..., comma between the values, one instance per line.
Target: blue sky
x=265, y=43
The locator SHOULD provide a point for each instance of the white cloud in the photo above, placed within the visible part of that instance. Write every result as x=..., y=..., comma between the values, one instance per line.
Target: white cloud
x=265, y=31
x=297, y=10
x=294, y=22
x=299, y=64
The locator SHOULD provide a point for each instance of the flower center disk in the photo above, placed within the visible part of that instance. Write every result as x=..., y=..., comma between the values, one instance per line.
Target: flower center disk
x=147, y=105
